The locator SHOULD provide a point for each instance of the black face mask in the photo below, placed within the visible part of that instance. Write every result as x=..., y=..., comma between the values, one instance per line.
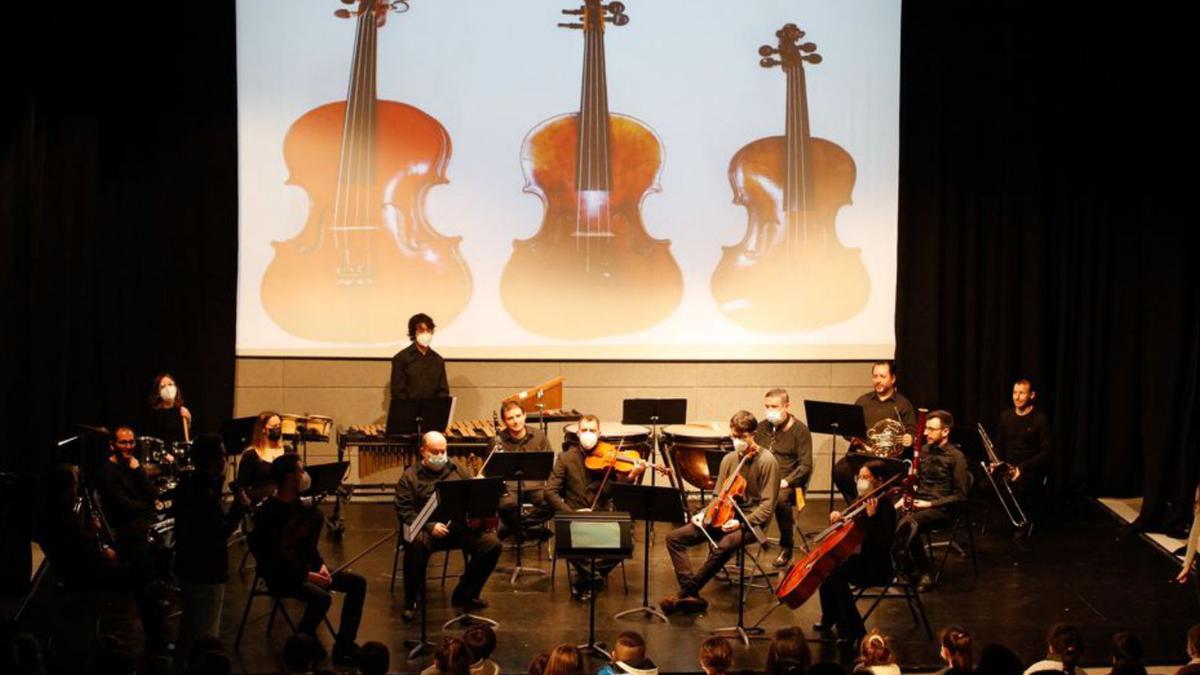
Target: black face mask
x=274, y=434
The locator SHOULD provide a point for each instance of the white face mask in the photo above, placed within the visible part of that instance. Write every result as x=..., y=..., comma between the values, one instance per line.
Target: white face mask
x=774, y=416
x=438, y=462
x=864, y=486
x=168, y=392
x=740, y=445
x=588, y=439
x=424, y=339
x=305, y=481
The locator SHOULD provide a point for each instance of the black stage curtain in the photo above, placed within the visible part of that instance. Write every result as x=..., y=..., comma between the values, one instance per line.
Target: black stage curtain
x=1036, y=238
x=118, y=191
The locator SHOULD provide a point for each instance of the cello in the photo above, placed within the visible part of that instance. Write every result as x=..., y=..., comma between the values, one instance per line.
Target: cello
x=367, y=257
x=792, y=187
x=592, y=256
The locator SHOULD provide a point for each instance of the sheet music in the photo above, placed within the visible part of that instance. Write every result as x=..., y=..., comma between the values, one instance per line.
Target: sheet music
x=412, y=530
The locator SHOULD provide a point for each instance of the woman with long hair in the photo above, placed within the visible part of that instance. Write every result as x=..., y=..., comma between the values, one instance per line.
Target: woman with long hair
x=788, y=653
x=875, y=655
x=254, y=467
x=564, y=660
x=169, y=418
x=1064, y=647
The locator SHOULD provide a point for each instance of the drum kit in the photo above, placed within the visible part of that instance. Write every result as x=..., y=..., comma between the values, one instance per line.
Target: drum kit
x=164, y=462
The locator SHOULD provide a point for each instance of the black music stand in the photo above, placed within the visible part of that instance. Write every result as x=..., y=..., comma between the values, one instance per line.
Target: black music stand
x=519, y=467
x=836, y=419
x=460, y=501
x=648, y=503
x=741, y=630
x=655, y=411
x=418, y=415
x=593, y=536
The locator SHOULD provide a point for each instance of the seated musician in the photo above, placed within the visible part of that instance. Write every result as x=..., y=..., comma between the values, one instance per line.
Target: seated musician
x=883, y=402
x=128, y=499
x=790, y=442
x=574, y=487
x=871, y=566
x=1023, y=441
x=941, y=484
x=266, y=443
x=761, y=472
x=482, y=546
x=517, y=437
x=284, y=542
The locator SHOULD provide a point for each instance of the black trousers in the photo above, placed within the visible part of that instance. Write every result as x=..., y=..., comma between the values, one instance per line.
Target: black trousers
x=510, y=510
x=482, y=547
x=317, y=601
x=837, y=602
x=785, y=517
x=682, y=538
x=909, y=531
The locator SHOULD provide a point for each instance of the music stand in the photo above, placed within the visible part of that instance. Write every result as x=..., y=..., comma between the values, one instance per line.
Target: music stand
x=836, y=419
x=418, y=415
x=592, y=537
x=648, y=503
x=519, y=467
x=746, y=633
x=460, y=501
x=656, y=411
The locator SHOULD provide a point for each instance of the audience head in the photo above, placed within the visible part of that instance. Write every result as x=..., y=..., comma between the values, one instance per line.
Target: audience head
x=1193, y=642
x=113, y=658
x=631, y=648
x=24, y=656
x=1126, y=648
x=564, y=660
x=997, y=659
x=374, y=658
x=1066, y=642
x=716, y=655
x=876, y=649
x=538, y=665
x=956, y=648
x=453, y=657
x=788, y=653
x=302, y=653
x=481, y=640
x=826, y=668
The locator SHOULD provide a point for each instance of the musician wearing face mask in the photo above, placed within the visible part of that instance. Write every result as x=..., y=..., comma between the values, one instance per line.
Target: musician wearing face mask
x=574, y=487
x=1023, y=440
x=941, y=484
x=871, y=566
x=266, y=445
x=284, y=542
x=483, y=546
x=417, y=370
x=516, y=436
x=169, y=418
x=757, y=466
x=790, y=442
x=881, y=403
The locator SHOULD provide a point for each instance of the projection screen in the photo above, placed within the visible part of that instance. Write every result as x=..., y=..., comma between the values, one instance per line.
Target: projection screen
x=647, y=179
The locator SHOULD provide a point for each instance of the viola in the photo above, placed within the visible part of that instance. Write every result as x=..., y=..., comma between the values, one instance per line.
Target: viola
x=792, y=187
x=367, y=257
x=592, y=255
x=606, y=456
x=721, y=509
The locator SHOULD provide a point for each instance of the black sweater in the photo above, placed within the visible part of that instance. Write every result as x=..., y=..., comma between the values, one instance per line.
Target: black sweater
x=202, y=529
x=284, y=542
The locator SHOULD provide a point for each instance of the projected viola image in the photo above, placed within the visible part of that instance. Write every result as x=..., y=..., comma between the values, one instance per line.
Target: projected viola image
x=367, y=254
x=592, y=255
x=792, y=187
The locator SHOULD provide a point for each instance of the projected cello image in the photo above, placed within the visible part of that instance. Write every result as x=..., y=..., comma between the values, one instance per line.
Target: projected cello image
x=792, y=187
x=366, y=258
x=592, y=255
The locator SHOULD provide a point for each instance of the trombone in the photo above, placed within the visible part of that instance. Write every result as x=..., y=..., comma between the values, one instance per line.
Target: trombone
x=1008, y=500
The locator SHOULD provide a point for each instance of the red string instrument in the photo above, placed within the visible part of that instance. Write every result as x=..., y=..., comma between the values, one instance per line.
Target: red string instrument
x=367, y=257
x=721, y=509
x=833, y=546
x=792, y=187
x=592, y=255
x=914, y=469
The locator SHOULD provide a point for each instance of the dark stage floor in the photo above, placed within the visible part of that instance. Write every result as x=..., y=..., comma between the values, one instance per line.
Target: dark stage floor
x=1076, y=570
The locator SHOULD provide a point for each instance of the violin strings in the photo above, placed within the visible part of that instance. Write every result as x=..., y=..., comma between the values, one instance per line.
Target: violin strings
x=339, y=206
x=581, y=147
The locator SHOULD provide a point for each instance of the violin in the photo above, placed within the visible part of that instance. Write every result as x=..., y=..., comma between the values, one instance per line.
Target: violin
x=592, y=255
x=721, y=509
x=792, y=187
x=367, y=257
x=606, y=456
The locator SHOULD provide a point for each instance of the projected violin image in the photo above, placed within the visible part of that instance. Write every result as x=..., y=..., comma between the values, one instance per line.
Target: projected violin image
x=367, y=258
x=592, y=255
x=792, y=187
